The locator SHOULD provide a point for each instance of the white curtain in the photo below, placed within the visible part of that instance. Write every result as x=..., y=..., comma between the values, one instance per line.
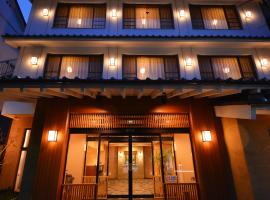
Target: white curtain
x=225, y=68
x=147, y=18
x=80, y=17
x=214, y=18
x=74, y=66
x=153, y=68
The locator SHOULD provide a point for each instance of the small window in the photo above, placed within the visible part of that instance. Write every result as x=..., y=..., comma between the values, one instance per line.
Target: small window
x=147, y=17
x=153, y=67
x=80, y=16
x=73, y=66
x=214, y=17
x=224, y=67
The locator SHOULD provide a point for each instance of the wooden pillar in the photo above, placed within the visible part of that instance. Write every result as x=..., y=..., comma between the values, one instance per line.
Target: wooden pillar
x=211, y=160
x=44, y=168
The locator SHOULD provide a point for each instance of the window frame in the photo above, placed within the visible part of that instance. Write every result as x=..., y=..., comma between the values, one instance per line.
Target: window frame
x=225, y=14
x=147, y=5
x=69, y=5
x=157, y=56
x=78, y=55
x=250, y=57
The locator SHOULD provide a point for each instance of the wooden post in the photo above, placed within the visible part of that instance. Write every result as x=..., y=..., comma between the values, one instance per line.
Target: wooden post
x=45, y=162
x=212, y=166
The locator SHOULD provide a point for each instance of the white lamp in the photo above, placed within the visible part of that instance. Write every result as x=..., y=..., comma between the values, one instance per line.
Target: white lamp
x=45, y=12
x=112, y=63
x=52, y=136
x=142, y=70
x=114, y=13
x=248, y=14
x=226, y=70
x=143, y=21
x=264, y=62
x=215, y=22
x=206, y=136
x=79, y=21
x=188, y=62
x=182, y=13
x=69, y=69
x=34, y=60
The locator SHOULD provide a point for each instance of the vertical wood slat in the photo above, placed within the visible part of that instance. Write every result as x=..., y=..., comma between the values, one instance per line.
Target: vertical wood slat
x=78, y=191
x=182, y=191
x=108, y=121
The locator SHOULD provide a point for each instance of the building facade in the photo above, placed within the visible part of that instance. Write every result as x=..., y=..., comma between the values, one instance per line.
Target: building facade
x=140, y=99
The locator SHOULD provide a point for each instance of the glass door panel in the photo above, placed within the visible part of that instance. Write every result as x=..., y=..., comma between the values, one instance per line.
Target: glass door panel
x=118, y=166
x=142, y=168
x=169, y=162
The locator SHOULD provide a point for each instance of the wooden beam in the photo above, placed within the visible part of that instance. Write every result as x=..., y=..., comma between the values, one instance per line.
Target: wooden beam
x=54, y=92
x=106, y=93
x=36, y=93
x=72, y=93
x=87, y=92
x=175, y=93
x=123, y=93
x=208, y=93
x=140, y=93
x=190, y=94
x=236, y=111
x=156, y=93
x=226, y=93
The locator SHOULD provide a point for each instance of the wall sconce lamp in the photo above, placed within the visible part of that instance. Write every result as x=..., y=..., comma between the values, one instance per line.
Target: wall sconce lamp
x=226, y=70
x=182, y=13
x=52, y=135
x=248, y=14
x=188, y=62
x=215, y=21
x=112, y=63
x=114, y=13
x=69, y=69
x=45, y=12
x=264, y=62
x=34, y=60
x=206, y=136
x=142, y=71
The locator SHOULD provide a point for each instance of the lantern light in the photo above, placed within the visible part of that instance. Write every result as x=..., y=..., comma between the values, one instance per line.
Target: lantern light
x=226, y=70
x=182, y=13
x=142, y=70
x=264, y=62
x=45, y=12
x=215, y=22
x=248, y=14
x=206, y=136
x=34, y=60
x=188, y=62
x=114, y=13
x=79, y=21
x=52, y=136
x=69, y=69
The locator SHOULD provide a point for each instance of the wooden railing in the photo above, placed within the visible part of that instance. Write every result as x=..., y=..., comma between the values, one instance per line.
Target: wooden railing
x=7, y=68
x=182, y=191
x=102, y=187
x=79, y=191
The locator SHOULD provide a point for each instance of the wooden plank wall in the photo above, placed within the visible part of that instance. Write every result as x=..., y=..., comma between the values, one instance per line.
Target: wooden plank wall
x=45, y=162
x=212, y=166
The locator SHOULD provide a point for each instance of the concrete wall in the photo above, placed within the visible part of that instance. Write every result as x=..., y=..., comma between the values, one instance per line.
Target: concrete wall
x=248, y=143
x=12, y=155
x=252, y=27
x=10, y=23
x=24, y=67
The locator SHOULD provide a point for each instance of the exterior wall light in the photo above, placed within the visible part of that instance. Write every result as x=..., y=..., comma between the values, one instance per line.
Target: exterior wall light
x=248, y=14
x=215, y=22
x=206, y=136
x=112, y=63
x=143, y=21
x=188, y=62
x=264, y=62
x=182, y=13
x=52, y=135
x=34, y=60
x=114, y=13
x=79, y=21
x=226, y=70
x=69, y=69
x=142, y=70
x=45, y=12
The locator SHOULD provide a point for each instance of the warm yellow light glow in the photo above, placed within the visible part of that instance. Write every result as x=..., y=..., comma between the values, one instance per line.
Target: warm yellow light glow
x=182, y=13
x=142, y=70
x=69, y=69
x=206, y=136
x=114, y=13
x=112, y=63
x=226, y=70
x=215, y=22
x=52, y=136
x=248, y=14
x=143, y=21
x=34, y=60
x=79, y=21
x=188, y=62
x=45, y=12
x=264, y=62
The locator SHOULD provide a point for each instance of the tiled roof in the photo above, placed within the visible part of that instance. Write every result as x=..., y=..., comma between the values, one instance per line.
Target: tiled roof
x=134, y=36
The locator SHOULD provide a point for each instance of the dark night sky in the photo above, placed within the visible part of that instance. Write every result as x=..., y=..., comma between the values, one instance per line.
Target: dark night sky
x=25, y=7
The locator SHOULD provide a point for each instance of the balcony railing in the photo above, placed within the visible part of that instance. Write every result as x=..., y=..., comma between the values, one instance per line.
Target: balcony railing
x=7, y=68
